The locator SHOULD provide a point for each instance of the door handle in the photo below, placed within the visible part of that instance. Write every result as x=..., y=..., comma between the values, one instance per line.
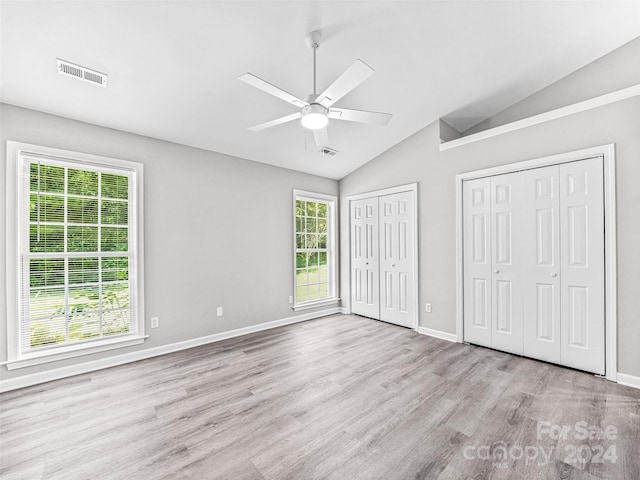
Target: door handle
x=393, y=264
x=554, y=275
x=496, y=271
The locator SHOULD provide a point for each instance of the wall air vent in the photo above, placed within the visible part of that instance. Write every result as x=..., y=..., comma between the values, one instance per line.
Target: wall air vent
x=81, y=73
x=328, y=151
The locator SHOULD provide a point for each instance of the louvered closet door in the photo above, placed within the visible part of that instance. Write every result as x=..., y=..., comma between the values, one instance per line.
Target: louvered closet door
x=476, y=198
x=396, y=258
x=582, y=269
x=541, y=209
x=365, y=299
x=507, y=261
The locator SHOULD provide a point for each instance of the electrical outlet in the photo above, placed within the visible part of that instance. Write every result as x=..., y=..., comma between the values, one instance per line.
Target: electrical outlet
x=219, y=312
x=427, y=307
x=291, y=299
x=155, y=322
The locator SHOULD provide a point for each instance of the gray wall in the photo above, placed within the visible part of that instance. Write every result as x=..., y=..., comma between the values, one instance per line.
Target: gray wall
x=218, y=230
x=418, y=159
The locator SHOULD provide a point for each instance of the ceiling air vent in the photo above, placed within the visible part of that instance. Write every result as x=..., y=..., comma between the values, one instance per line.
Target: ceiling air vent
x=81, y=73
x=328, y=151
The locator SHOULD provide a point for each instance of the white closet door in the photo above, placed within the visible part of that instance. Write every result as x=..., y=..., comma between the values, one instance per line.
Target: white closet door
x=397, y=261
x=541, y=209
x=476, y=198
x=365, y=296
x=582, y=270
x=507, y=262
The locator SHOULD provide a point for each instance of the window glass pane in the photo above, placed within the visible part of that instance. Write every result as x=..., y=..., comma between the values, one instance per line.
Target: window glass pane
x=115, y=269
x=114, y=239
x=47, y=331
x=322, y=241
x=83, y=326
x=299, y=241
x=299, y=208
x=322, y=257
x=312, y=293
x=313, y=259
x=82, y=182
x=313, y=275
x=46, y=272
x=51, y=238
x=115, y=186
x=324, y=290
x=311, y=209
x=47, y=302
x=311, y=225
x=51, y=178
x=114, y=212
x=323, y=275
x=301, y=276
x=301, y=260
x=322, y=225
x=82, y=210
x=312, y=241
x=115, y=296
x=322, y=210
x=299, y=224
x=301, y=294
x=83, y=270
x=84, y=299
x=115, y=322
x=82, y=239
x=51, y=208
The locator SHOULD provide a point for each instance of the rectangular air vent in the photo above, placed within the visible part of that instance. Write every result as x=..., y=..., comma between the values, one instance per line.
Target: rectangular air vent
x=328, y=151
x=81, y=73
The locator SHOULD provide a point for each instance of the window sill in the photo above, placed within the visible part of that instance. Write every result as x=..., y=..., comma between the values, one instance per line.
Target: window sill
x=320, y=303
x=71, y=352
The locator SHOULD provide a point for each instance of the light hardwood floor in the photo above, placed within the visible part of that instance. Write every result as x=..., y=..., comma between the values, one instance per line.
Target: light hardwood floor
x=340, y=397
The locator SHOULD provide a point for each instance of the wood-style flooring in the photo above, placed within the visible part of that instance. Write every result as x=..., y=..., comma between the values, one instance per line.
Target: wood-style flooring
x=341, y=398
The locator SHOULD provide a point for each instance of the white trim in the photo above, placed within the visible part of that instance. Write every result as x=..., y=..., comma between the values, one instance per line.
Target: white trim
x=578, y=107
x=63, y=372
x=333, y=247
x=628, y=380
x=410, y=187
x=449, y=337
x=345, y=311
x=607, y=152
x=315, y=304
x=16, y=150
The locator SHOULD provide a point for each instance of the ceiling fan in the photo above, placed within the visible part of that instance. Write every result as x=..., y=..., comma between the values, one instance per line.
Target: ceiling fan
x=316, y=110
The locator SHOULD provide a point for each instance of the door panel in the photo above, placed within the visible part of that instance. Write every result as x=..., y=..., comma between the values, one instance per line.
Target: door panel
x=365, y=288
x=541, y=210
x=507, y=256
x=582, y=269
x=476, y=211
x=396, y=263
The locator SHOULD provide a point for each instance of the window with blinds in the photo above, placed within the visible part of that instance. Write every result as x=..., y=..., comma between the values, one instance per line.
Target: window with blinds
x=315, y=254
x=77, y=258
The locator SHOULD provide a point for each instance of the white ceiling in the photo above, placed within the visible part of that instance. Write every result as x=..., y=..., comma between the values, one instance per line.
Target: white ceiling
x=173, y=65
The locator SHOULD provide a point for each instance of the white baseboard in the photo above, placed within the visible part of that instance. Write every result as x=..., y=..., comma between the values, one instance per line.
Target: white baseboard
x=449, y=337
x=628, y=380
x=344, y=310
x=91, y=366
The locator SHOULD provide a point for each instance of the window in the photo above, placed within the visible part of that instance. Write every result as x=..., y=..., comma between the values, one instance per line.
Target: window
x=77, y=263
x=315, y=249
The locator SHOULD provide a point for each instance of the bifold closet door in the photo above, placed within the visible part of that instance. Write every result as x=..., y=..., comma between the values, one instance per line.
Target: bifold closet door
x=582, y=265
x=541, y=206
x=476, y=198
x=397, y=261
x=365, y=288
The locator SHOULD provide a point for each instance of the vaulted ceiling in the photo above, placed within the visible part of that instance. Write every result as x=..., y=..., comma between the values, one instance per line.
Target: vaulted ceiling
x=173, y=66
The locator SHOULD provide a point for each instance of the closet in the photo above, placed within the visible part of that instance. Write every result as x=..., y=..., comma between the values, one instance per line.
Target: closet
x=533, y=263
x=383, y=257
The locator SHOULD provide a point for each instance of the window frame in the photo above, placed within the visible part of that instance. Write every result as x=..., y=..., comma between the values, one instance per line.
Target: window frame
x=332, y=248
x=17, y=154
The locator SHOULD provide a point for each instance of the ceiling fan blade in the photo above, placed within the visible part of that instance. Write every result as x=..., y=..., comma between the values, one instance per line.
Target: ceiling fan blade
x=321, y=137
x=271, y=89
x=353, y=76
x=361, y=116
x=277, y=121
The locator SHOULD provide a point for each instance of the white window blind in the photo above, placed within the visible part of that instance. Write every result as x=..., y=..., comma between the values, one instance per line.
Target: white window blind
x=77, y=247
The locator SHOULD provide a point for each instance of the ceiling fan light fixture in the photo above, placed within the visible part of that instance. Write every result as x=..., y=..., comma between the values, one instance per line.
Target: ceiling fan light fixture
x=314, y=117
